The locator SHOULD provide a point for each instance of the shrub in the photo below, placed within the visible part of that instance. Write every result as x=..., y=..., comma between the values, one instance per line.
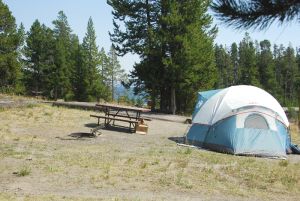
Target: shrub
x=24, y=171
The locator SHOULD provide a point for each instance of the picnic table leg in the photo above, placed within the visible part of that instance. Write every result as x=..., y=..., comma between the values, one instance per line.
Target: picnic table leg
x=107, y=119
x=115, y=116
x=134, y=127
x=138, y=114
x=128, y=115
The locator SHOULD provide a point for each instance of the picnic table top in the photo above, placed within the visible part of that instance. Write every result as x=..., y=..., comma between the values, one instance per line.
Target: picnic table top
x=122, y=107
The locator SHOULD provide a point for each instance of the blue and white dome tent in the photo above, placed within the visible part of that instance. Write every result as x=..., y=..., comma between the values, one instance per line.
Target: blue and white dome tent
x=241, y=120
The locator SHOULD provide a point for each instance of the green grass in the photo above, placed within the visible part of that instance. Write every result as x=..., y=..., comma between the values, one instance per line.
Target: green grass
x=7, y=197
x=283, y=163
x=2, y=109
x=24, y=171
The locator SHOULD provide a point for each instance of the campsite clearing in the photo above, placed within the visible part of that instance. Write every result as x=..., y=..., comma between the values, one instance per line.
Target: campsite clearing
x=47, y=153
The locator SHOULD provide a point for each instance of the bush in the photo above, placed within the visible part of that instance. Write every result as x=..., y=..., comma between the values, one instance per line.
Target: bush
x=24, y=172
x=69, y=96
x=7, y=90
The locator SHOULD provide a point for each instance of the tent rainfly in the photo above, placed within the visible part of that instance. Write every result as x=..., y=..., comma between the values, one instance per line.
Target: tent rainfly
x=241, y=120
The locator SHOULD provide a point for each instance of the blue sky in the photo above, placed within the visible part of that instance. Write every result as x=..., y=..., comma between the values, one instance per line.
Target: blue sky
x=79, y=11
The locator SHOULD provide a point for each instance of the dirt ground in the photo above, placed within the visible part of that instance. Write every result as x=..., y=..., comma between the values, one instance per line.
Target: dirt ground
x=47, y=153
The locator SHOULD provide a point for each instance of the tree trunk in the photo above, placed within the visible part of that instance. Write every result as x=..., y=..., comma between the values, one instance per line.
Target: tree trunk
x=173, y=101
x=161, y=100
x=164, y=100
x=55, y=93
x=161, y=105
x=153, y=101
x=298, y=108
x=112, y=89
x=36, y=89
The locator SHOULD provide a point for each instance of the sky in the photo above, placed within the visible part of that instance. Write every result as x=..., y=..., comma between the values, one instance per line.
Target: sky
x=79, y=11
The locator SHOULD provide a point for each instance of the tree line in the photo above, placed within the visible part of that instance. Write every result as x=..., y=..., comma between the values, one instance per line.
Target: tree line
x=178, y=59
x=53, y=62
x=174, y=40
x=274, y=68
x=261, y=14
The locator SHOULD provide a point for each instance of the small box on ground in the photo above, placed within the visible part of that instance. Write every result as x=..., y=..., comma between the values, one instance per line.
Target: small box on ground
x=141, y=128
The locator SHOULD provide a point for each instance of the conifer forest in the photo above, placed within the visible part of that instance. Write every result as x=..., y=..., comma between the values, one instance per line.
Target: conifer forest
x=175, y=44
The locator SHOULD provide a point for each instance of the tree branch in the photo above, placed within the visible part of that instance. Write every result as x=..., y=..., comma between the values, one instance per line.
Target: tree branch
x=256, y=13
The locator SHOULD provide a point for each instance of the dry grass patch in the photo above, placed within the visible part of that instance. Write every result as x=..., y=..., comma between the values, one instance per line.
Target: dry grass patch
x=11, y=197
x=114, y=163
x=295, y=134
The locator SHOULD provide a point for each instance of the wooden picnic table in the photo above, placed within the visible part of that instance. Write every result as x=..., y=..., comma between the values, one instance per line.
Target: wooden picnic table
x=131, y=115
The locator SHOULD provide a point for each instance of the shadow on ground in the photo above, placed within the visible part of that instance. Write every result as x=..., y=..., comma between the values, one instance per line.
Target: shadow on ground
x=78, y=136
x=117, y=128
x=177, y=139
x=91, y=125
x=82, y=135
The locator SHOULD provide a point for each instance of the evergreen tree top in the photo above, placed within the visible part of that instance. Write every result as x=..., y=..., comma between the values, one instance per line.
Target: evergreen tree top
x=89, y=41
x=7, y=20
x=61, y=25
x=256, y=13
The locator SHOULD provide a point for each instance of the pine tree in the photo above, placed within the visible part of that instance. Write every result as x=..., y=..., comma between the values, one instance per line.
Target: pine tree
x=174, y=41
x=224, y=66
x=61, y=80
x=247, y=62
x=10, y=40
x=278, y=62
x=36, y=57
x=141, y=19
x=80, y=82
x=199, y=51
x=114, y=71
x=235, y=63
x=22, y=37
x=265, y=65
x=103, y=63
x=298, y=74
x=19, y=87
x=91, y=62
x=256, y=13
x=103, y=68
x=230, y=69
x=289, y=73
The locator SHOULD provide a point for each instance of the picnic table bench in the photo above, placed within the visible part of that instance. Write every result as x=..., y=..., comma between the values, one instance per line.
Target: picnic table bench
x=113, y=113
x=107, y=121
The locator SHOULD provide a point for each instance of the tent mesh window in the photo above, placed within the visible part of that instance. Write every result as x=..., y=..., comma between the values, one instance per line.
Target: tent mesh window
x=256, y=121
